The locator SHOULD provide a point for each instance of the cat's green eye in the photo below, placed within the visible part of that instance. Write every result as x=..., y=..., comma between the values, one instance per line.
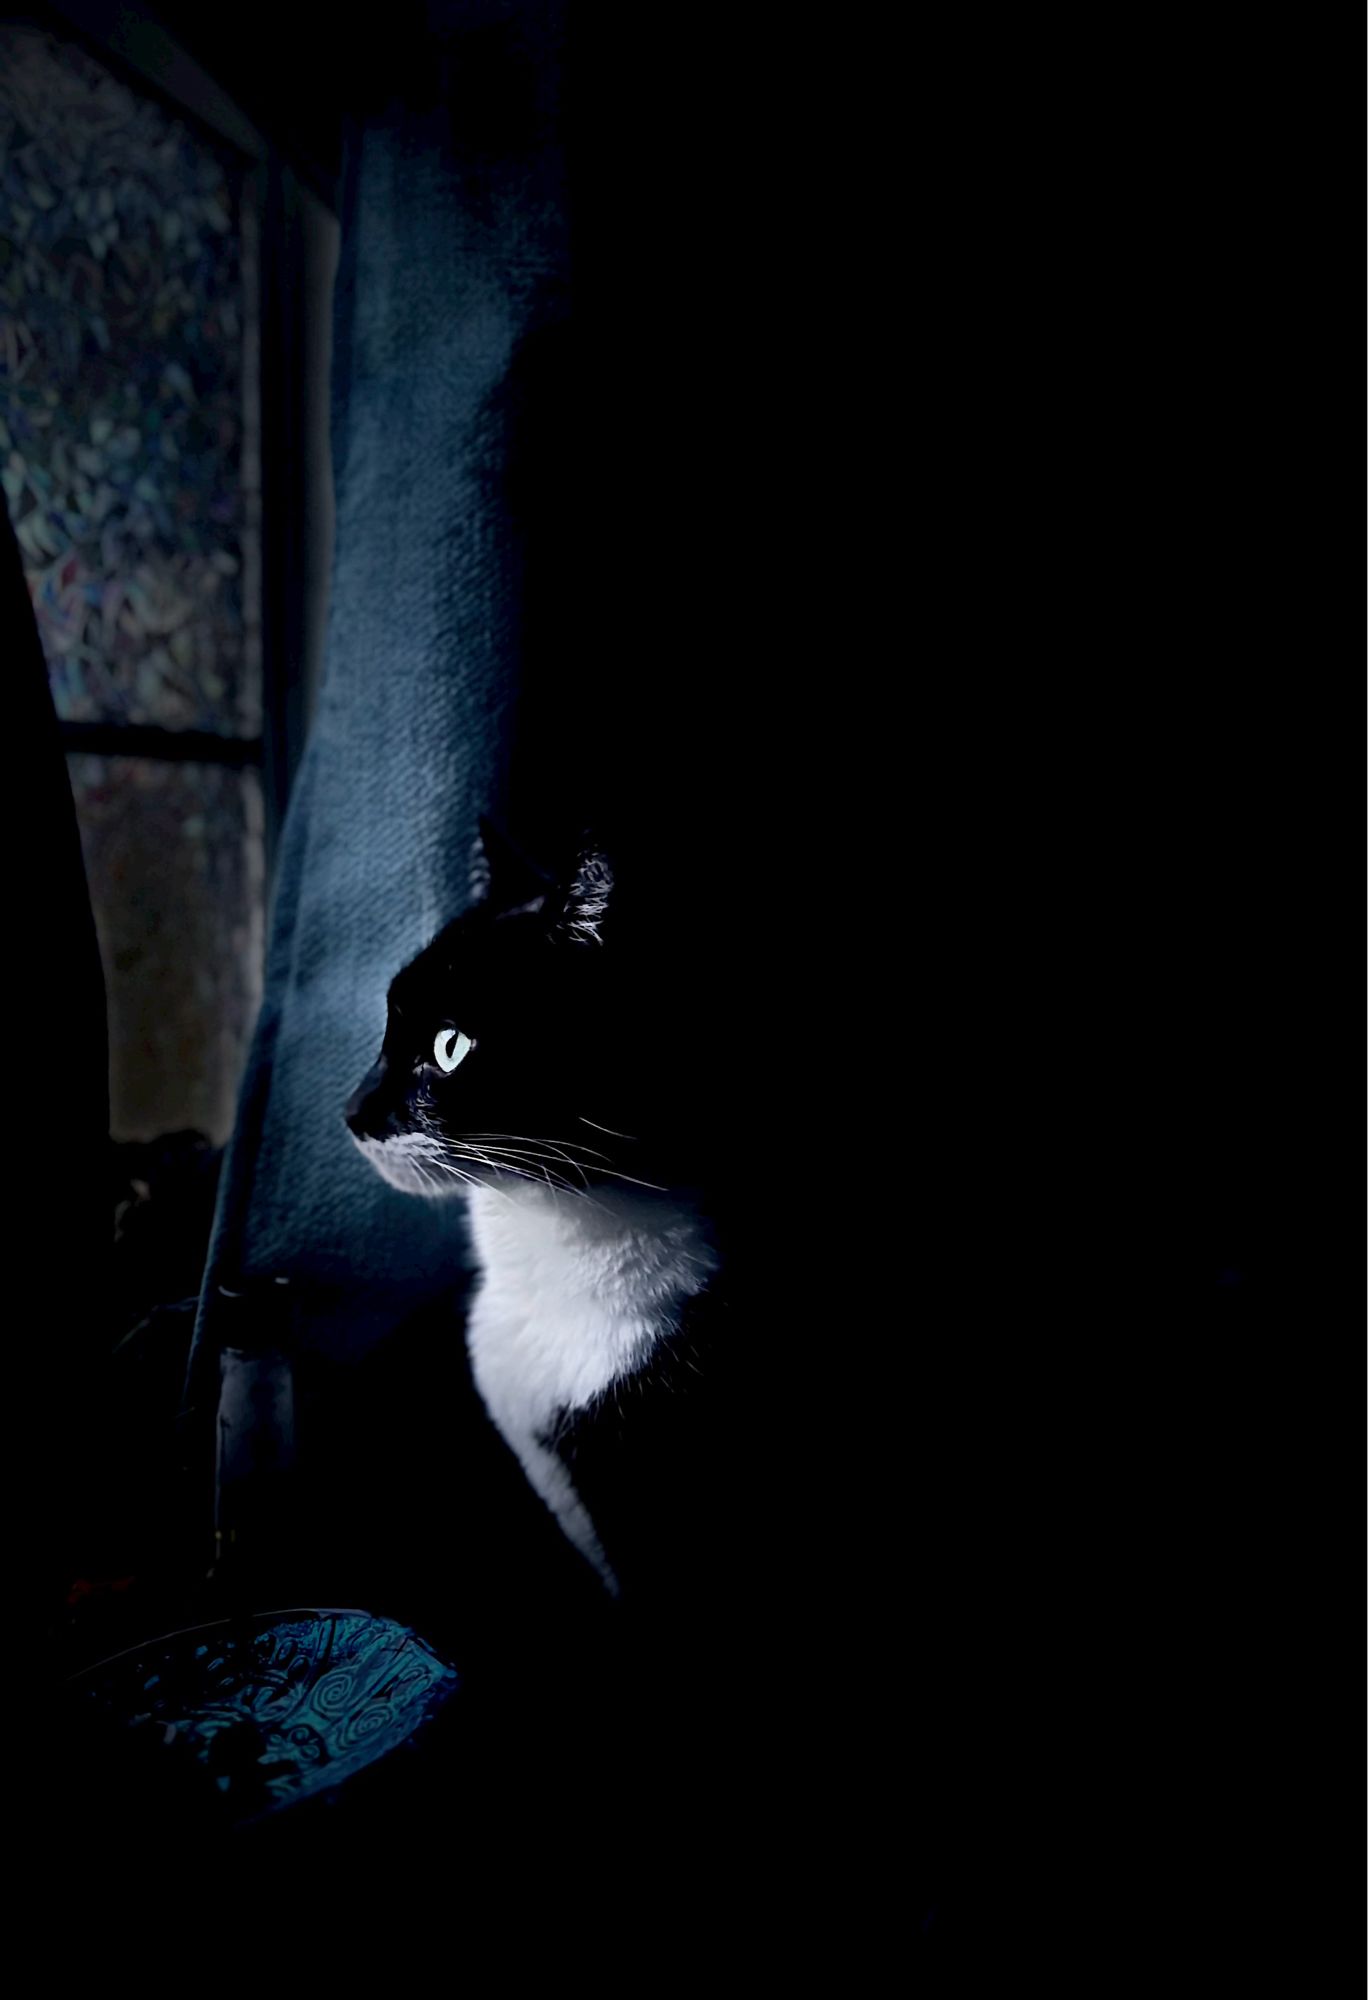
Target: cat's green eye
x=450, y=1048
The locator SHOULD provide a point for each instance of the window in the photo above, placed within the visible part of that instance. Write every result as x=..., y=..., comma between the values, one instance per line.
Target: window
x=131, y=460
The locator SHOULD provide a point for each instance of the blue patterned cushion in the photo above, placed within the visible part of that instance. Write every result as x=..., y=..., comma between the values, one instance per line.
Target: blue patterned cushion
x=279, y=1709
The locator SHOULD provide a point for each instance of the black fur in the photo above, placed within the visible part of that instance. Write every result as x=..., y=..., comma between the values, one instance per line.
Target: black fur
x=588, y=1043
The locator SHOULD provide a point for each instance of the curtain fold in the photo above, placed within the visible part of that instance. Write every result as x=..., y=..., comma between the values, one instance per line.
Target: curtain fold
x=454, y=260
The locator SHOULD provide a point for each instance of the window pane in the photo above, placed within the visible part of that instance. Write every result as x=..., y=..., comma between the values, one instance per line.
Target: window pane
x=173, y=853
x=127, y=425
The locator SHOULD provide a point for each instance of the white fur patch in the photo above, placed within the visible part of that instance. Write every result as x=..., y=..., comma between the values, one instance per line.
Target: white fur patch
x=574, y=1296
x=410, y=1162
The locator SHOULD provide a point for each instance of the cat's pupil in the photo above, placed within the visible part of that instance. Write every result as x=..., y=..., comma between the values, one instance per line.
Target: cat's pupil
x=450, y=1048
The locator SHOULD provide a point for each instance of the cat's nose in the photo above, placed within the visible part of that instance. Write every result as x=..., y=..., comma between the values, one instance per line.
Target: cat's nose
x=360, y=1106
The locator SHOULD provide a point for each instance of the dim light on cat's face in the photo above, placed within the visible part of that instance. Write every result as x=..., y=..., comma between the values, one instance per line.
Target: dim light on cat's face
x=508, y=1053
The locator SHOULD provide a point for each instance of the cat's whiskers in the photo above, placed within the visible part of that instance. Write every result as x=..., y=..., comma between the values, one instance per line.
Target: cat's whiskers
x=632, y=1180
x=629, y=1136
x=483, y=1159
x=613, y=1173
x=426, y=1177
x=527, y=1139
x=553, y=1152
x=533, y=1150
x=519, y=1160
x=505, y=1164
x=441, y=1160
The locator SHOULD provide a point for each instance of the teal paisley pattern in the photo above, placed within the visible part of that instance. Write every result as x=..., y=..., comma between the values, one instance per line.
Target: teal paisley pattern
x=275, y=1711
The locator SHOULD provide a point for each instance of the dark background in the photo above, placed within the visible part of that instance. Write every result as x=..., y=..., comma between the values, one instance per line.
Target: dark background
x=1009, y=786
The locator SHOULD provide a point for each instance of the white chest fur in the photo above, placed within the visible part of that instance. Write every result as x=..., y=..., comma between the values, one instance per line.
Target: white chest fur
x=573, y=1297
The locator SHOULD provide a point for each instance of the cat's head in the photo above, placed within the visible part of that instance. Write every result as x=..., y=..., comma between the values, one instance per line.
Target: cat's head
x=507, y=1050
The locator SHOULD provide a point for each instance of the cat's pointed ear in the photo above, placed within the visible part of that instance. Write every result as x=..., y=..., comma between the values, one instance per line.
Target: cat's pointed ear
x=502, y=877
x=582, y=904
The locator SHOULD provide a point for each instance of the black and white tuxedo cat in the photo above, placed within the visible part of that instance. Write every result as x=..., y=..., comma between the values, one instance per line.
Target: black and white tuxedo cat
x=646, y=1104
x=532, y=1065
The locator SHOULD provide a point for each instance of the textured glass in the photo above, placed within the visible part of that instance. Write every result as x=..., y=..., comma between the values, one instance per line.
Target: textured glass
x=127, y=445
x=174, y=858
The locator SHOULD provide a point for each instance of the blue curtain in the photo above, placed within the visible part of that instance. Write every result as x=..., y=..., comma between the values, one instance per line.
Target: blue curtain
x=453, y=271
